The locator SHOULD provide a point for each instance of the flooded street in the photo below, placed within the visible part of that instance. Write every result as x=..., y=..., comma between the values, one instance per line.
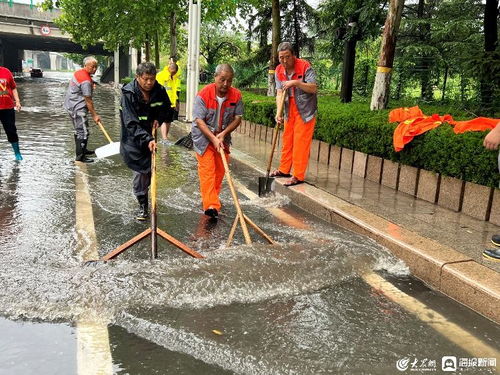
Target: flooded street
x=305, y=306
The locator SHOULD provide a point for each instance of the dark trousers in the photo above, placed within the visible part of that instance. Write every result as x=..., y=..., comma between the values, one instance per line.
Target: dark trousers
x=8, y=119
x=141, y=183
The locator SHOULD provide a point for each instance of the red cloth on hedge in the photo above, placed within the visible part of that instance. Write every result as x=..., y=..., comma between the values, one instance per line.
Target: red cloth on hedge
x=405, y=113
x=477, y=124
x=407, y=130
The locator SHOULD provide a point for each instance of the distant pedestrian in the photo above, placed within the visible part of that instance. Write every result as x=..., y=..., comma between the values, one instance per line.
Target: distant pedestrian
x=298, y=78
x=491, y=142
x=9, y=100
x=144, y=105
x=169, y=78
x=79, y=103
x=217, y=112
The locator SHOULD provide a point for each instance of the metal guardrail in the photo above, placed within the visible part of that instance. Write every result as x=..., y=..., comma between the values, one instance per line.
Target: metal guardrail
x=11, y=3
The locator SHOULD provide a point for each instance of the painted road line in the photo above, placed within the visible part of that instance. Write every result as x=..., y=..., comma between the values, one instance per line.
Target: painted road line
x=86, y=247
x=93, y=350
x=438, y=322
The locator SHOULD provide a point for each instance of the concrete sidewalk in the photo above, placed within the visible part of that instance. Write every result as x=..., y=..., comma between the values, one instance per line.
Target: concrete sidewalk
x=441, y=247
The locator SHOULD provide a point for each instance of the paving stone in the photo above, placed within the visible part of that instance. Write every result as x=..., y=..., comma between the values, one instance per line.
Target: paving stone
x=428, y=186
x=359, y=164
x=374, y=168
x=408, y=178
x=335, y=153
x=346, y=160
x=495, y=208
x=450, y=193
x=477, y=201
x=390, y=172
x=313, y=153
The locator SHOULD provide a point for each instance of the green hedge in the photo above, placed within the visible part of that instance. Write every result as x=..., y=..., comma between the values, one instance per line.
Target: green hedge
x=354, y=126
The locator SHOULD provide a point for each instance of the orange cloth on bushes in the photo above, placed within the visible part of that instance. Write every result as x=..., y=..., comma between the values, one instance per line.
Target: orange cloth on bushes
x=211, y=173
x=408, y=129
x=477, y=124
x=297, y=138
x=405, y=113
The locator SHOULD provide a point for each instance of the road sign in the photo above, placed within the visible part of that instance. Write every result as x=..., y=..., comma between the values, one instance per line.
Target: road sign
x=45, y=30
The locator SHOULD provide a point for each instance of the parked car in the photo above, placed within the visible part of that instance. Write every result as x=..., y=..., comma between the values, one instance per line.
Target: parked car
x=36, y=73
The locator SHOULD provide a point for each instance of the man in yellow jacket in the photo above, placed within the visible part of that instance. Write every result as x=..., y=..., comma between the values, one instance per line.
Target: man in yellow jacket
x=169, y=78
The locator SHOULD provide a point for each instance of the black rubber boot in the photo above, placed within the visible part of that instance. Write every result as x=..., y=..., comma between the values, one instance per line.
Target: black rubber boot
x=87, y=152
x=80, y=147
x=142, y=213
x=212, y=213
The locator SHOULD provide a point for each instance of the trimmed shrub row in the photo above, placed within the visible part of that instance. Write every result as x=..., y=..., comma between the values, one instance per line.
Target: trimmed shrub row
x=354, y=126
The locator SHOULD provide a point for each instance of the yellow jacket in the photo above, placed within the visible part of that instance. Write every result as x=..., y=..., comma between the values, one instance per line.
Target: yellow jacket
x=171, y=84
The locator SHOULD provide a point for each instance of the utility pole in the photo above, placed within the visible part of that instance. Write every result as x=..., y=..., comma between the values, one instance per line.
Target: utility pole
x=381, y=88
x=193, y=65
x=273, y=62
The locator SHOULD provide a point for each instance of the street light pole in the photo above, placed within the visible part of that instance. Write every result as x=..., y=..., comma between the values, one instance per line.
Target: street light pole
x=193, y=64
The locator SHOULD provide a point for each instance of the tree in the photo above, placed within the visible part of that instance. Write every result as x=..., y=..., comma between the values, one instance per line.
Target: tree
x=381, y=88
x=344, y=23
x=490, y=79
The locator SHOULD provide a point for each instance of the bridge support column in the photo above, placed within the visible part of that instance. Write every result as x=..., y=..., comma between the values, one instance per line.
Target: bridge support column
x=11, y=57
x=119, y=68
x=53, y=61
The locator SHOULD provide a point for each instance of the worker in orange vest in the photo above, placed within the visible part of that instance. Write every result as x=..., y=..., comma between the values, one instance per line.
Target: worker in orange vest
x=298, y=78
x=217, y=112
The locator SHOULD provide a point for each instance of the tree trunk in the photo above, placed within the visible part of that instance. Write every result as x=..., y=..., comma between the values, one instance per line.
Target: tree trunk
x=296, y=28
x=348, y=64
x=273, y=62
x=488, y=79
x=147, y=51
x=381, y=88
x=173, y=36
x=157, y=50
x=425, y=32
x=445, y=80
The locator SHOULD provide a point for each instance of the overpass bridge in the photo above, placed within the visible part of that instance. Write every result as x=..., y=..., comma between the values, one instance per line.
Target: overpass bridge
x=24, y=27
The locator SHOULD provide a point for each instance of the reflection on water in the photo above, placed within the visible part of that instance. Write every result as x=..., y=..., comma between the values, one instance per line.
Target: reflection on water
x=299, y=307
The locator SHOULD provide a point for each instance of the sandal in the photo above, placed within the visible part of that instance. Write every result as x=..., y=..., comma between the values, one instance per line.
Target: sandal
x=278, y=173
x=293, y=181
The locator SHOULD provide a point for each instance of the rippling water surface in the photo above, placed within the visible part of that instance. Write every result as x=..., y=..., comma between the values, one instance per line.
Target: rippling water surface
x=300, y=307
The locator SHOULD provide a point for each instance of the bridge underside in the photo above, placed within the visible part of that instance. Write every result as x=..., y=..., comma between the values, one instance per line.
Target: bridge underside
x=12, y=45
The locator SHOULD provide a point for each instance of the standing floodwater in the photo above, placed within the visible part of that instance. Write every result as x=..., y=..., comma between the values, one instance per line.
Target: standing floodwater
x=302, y=307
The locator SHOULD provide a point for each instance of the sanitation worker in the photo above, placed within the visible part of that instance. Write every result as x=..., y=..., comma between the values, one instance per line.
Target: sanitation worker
x=217, y=112
x=9, y=100
x=298, y=77
x=144, y=105
x=79, y=103
x=169, y=78
x=491, y=142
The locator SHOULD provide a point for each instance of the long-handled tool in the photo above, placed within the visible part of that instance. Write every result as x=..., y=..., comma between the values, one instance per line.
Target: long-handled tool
x=110, y=149
x=154, y=230
x=240, y=216
x=265, y=183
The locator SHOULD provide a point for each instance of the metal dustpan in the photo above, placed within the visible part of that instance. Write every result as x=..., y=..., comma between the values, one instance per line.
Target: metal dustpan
x=265, y=185
x=109, y=150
